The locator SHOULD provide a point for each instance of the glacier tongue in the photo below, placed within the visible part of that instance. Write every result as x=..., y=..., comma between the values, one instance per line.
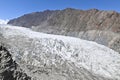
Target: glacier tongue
x=55, y=54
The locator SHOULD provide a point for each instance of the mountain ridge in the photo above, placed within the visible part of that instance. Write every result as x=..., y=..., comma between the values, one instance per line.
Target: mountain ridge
x=94, y=25
x=42, y=16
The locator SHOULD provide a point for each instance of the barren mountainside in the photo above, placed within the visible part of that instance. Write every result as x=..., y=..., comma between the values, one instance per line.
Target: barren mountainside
x=102, y=27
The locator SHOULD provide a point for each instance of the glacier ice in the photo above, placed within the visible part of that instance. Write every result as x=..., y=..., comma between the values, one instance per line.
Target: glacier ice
x=36, y=51
x=3, y=21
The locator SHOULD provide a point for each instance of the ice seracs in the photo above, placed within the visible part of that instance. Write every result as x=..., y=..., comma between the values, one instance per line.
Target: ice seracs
x=40, y=49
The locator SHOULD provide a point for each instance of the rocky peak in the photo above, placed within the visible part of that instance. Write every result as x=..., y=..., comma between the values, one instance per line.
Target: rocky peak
x=74, y=18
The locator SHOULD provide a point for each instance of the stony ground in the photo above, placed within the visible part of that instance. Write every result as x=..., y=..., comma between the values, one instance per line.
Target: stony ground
x=9, y=69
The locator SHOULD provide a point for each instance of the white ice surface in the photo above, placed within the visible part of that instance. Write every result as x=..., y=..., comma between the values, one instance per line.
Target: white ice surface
x=3, y=21
x=92, y=56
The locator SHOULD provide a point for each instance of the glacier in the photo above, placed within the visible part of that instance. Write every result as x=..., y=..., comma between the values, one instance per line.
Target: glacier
x=55, y=57
x=4, y=21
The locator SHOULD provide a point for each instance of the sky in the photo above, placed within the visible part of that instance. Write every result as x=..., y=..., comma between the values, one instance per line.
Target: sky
x=10, y=9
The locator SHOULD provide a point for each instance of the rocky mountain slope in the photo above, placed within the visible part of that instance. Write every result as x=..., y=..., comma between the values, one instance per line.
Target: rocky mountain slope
x=9, y=69
x=102, y=27
x=52, y=57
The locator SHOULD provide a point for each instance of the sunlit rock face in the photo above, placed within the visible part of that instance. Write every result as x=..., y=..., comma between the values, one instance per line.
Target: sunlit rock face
x=54, y=57
x=94, y=25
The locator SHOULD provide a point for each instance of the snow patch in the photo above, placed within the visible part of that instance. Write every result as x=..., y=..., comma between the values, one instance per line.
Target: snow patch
x=3, y=21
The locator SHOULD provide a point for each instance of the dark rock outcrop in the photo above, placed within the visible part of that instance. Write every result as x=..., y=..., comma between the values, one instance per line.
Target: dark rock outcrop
x=9, y=69
x=100, y=26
